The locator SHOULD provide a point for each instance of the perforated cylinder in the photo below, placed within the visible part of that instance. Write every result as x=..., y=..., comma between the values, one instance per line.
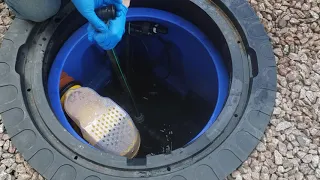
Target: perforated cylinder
x=103, y=123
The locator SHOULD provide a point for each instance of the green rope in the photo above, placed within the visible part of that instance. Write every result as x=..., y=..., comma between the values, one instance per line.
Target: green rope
x=123, y=76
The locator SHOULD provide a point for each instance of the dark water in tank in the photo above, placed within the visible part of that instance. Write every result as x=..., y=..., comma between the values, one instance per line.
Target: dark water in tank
x=175, y=117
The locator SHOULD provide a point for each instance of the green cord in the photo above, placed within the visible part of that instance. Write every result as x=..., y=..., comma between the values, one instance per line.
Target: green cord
x=120, y=69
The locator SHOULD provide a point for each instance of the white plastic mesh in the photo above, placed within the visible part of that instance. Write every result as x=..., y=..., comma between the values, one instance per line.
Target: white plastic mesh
x=103, y=123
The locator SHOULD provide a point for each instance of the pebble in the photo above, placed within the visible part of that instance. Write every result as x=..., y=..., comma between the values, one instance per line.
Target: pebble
x=316, y=67
x=19, y=158
x=35, y=176
x=289, y=146
x=315, y=161
x=273, y=177
x=264, y=169
x=2, y=167
x=11, y=168
x=282, y=23
x=6, y=145
x=261, y=147
x=314, y=15
x=282, y=148
x=311, y=151
x=317, y=173
x=7, y=162
x=311, y=177
x=303, y=141
x=301, y=154
x=305, y=168
x=20, y=168
x=3, y=176
x=307, y=158
x=298, y=176
x=11, y=149
x=264, y=176
x=278, y=52
x=277, y=157
x=281, y=169
x=6, y=20
x=283, y=125
x=29, y=169
x=2, y=29
x=247, y=177
x=255, y=175
x=292, y=76
x=289, y=154
x=10, y=177
x=236, y=173
x=40, y=177
x=287, y=164
x=5, y=137
x=24, y=177
x=6, y=155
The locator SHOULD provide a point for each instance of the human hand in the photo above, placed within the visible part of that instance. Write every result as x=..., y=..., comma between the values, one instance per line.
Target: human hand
x=106, y=36
x=110, y=38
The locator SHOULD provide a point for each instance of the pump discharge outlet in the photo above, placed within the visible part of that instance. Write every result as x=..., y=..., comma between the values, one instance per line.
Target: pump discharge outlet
x=103, y=123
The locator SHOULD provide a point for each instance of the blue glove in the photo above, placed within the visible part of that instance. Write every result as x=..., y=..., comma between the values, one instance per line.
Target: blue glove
x=110, y=38
x=106, y=36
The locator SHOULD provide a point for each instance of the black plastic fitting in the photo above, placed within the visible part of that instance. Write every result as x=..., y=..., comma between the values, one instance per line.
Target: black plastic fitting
x=106, y=13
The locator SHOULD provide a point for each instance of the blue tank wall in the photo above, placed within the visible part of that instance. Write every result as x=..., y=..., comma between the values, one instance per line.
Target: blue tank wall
x=196, y=64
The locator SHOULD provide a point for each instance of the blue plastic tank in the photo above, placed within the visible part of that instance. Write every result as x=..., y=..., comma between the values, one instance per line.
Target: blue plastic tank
x=197, y=65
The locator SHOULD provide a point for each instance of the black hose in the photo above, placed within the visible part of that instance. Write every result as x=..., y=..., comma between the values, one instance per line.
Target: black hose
x=123, y=81
x=107, y=13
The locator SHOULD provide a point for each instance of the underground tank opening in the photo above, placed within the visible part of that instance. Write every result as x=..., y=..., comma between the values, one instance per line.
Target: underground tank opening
x=166, y=83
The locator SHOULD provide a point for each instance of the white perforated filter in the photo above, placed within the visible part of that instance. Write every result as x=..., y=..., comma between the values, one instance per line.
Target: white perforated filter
x=103, y=123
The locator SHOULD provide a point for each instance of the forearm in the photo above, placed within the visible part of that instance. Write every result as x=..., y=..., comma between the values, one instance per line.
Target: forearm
x=126, y=3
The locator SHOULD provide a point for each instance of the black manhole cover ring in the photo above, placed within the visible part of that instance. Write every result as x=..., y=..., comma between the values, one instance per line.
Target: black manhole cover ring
x=57, y=155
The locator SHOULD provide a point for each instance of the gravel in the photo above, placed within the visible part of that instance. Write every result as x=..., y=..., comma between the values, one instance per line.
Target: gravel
x=290, y=148
x=292, y=138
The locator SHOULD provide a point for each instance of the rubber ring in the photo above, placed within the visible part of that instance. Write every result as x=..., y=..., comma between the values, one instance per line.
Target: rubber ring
x=65, y=88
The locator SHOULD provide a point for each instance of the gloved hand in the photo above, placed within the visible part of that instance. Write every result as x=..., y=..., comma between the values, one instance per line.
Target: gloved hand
x=109, y=39
x=106, y=36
